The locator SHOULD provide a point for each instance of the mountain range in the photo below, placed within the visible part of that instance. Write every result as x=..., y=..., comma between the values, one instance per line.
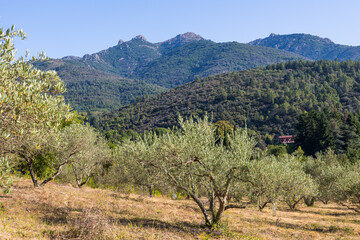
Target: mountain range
x=132, y=69
x=191, y=75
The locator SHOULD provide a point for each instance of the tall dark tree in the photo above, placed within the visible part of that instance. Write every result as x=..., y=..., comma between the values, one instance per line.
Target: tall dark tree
x=314, y=132
x=317, y=131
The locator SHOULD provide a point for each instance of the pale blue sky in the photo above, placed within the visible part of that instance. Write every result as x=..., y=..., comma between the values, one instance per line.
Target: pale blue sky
x=77, y=27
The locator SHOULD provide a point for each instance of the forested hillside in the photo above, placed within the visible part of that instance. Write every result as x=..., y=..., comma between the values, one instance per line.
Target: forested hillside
x=91, y=89
x=268, y=99
x=312, y=47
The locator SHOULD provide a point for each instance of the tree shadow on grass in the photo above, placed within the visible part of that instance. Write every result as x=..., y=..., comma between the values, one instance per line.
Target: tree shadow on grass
x=64, y=215
x=57, y=215
x=184, y=227
x=60, y=216
x=332, y=208
x=334, y=214
x=313, y=227
x=5, y=196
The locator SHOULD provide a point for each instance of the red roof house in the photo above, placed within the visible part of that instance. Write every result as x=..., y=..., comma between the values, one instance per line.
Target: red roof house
x=287, y=139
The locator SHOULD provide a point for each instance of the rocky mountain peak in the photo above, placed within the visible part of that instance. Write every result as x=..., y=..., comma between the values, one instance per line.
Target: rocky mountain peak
x=140, y=37
x=185, y=38
x=71, y=58
x=181, y=39
x=190, y=36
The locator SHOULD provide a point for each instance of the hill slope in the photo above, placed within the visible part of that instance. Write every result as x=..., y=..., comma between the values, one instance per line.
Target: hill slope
x=267, y=99
x=312, y=47
x=91, y=89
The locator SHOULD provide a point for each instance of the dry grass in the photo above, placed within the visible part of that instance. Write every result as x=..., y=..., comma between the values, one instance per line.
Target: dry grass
x=63, y=212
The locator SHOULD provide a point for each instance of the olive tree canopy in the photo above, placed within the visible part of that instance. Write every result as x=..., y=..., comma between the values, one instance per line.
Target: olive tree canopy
x=31, y=104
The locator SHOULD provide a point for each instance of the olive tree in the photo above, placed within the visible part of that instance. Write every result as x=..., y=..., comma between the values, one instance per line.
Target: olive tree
x=264, y=181
x=296, y=184
x=193, y=160
x=337, y=179
x=133, y=161
x=326, y=170
x=348, y=192
x=84, y=149
x=31, y=104
x=271, y=179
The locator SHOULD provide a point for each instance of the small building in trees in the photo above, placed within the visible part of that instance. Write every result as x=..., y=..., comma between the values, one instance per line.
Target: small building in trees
x=286, y=139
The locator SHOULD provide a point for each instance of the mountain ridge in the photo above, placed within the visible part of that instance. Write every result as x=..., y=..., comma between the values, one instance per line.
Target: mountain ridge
x=310, y=46
x=156, y=66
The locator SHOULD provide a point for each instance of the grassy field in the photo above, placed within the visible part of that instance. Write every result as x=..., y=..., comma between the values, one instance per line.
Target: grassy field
x=59, y=211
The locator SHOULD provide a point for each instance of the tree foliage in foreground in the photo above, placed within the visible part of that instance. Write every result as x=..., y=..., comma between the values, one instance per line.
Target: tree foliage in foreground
x=192, y=160
x=31, y=105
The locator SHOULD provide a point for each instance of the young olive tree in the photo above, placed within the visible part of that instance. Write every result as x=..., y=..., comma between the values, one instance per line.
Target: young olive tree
x=31, y=105
x=84, y=149
x=192, y=160
x=295, y=183
x=273, y=178
x=326, y=170
x=134, y=161
x=348, y=192
x=264, y=181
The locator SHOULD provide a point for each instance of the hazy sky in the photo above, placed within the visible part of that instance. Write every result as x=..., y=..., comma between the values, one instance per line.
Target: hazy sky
x=76, y=27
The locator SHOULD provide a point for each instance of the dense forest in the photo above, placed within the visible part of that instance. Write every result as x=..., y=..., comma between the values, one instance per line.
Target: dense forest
x=91, y=89
x=267, y=100
x=321, y=130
